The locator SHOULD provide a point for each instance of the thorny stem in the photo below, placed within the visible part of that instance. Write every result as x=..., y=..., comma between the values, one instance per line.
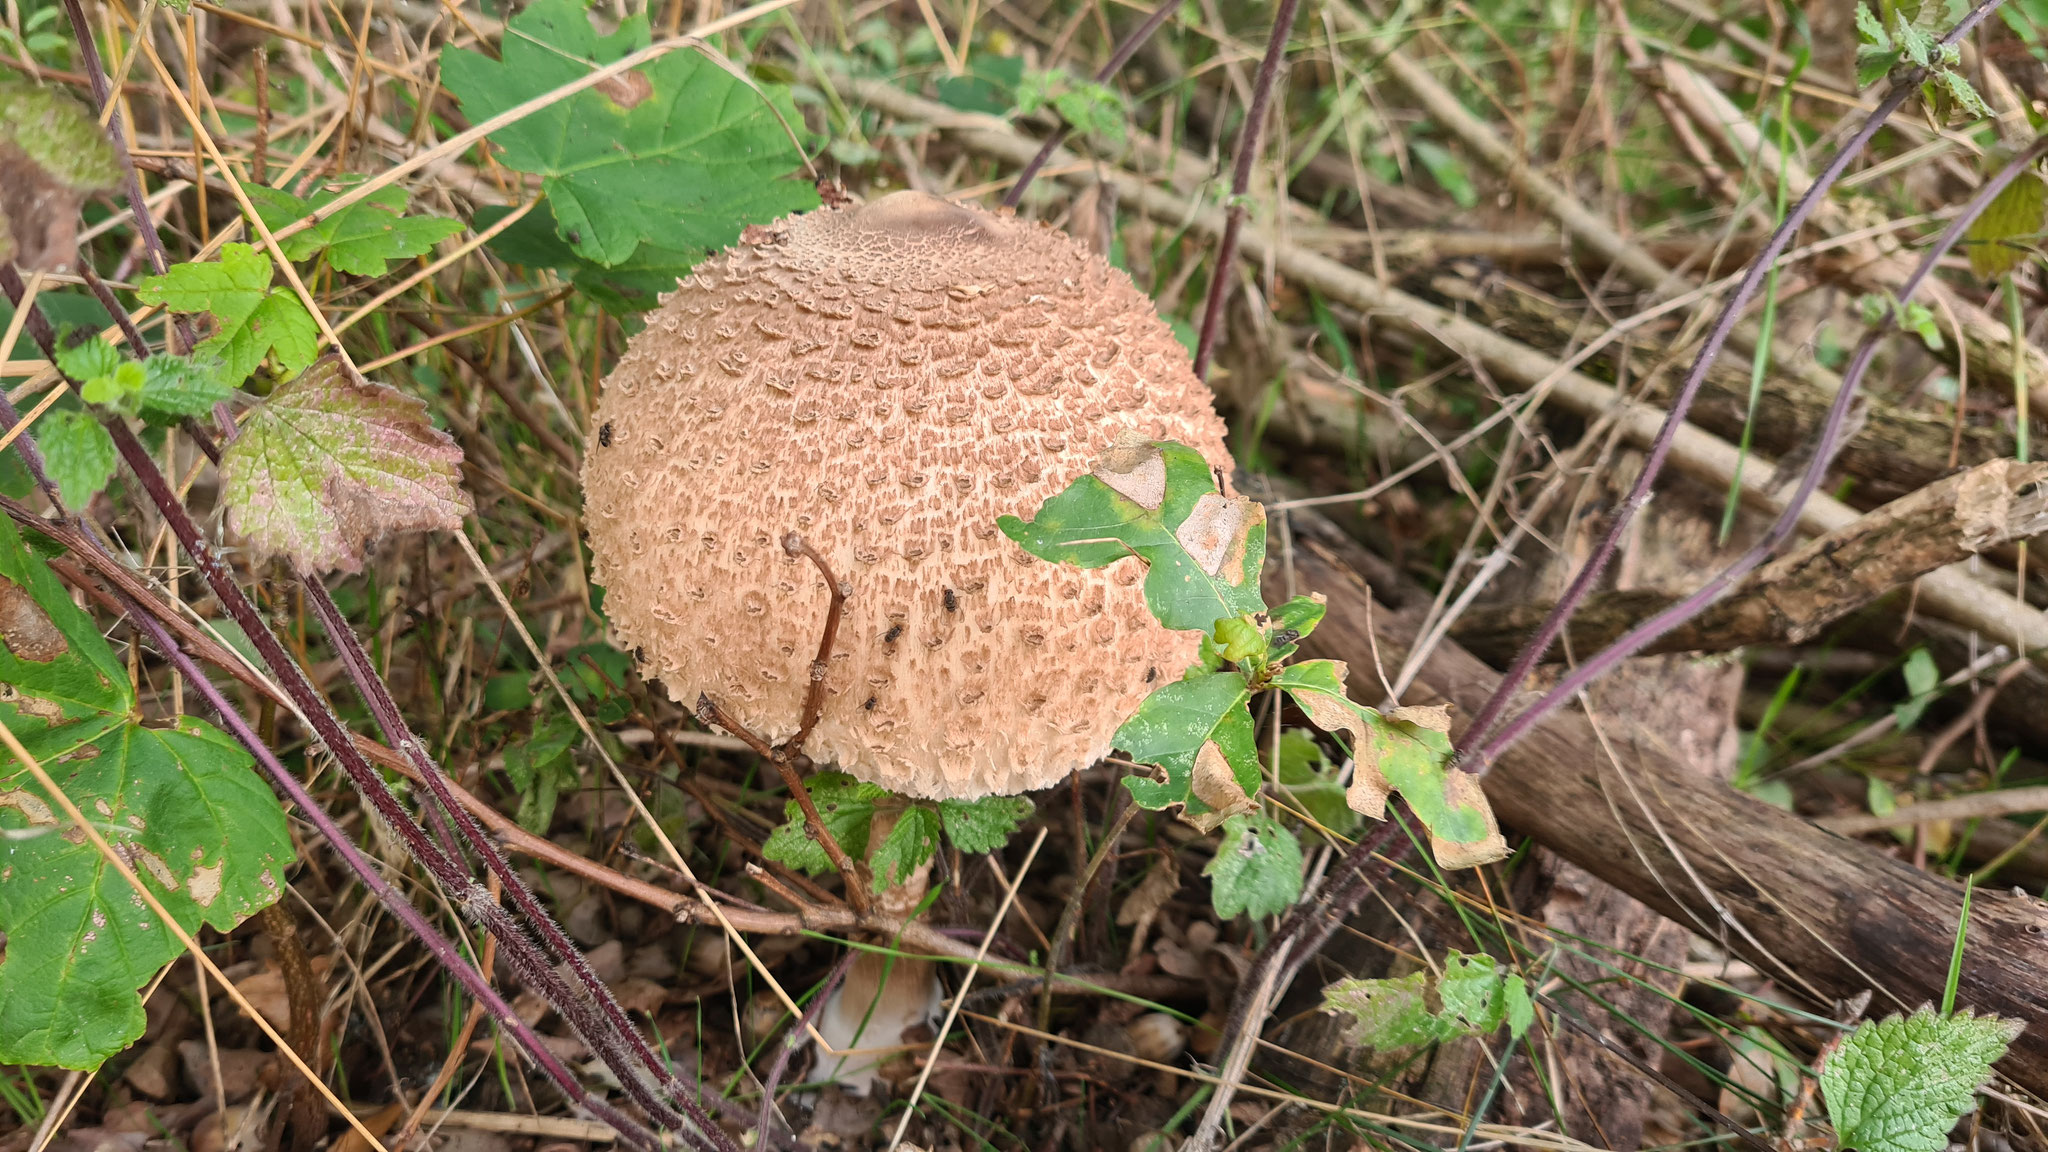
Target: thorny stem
x=1070, y=918
x=1788, y=520
x=533, y=967
x=1221, y=273
x=1103, y=75
x=472, y=981
x=1903, y=87
x=789, y=758
x=1306, y=926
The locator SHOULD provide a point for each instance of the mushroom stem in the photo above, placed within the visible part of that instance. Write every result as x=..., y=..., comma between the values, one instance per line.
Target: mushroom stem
x=788, y=757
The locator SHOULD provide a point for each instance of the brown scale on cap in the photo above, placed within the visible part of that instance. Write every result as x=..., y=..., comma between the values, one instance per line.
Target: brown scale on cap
x=887, y=380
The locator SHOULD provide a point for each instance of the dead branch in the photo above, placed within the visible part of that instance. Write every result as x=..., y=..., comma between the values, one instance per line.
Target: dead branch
x=1823, y=915
x=1791, y=599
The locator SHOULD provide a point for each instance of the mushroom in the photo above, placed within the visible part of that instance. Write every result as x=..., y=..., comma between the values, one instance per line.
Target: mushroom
x=884, y=381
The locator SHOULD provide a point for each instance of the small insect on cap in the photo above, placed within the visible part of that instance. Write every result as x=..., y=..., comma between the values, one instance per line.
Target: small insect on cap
x=886, y=380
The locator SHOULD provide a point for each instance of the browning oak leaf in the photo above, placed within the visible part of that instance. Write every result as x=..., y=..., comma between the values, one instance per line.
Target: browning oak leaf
x=331, y=462
x=52, y=156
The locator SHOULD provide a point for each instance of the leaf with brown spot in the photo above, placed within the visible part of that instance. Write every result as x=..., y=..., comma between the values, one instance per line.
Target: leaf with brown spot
x=331, y=462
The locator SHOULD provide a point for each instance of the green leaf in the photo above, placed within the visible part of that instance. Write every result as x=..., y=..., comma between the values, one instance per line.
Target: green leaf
x=1900, y=1084
x=1203, y=550
x=990, y=86
x=2000, y=239
x=1407, y=751
x=1172, y=727
x=1473, y=997
x=539, y=767
x=1961, y=91
x=911, y=841
x=88, y=360
x=677, y=153
x=176, y=387
x=202, y=830
x=360, y=239
x=252, y=319
x=1311, y=782
x=984, y=825
x=847, y=807
x=53, y=154
x=1448, y=170
x=54, y=665
x=1256, y=870
x=629, y=287
x=79, y=454
x=1923, y=682
x=331, y=461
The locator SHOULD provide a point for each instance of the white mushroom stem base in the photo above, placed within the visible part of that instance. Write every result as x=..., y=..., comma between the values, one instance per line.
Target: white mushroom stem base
x=882, y=996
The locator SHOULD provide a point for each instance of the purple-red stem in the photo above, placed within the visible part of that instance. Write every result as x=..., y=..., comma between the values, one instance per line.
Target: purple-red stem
x=445, y=952
x=1752, y=280
x=1103, y=75
x=1221, y=272
x=1838, y=413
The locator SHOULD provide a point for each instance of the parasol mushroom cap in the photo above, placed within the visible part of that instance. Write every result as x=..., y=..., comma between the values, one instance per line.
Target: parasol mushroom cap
x=887, y=380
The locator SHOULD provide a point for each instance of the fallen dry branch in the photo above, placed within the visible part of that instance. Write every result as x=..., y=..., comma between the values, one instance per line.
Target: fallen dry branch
x=1791, y=599
x=1949, y=593
x=1825, y=916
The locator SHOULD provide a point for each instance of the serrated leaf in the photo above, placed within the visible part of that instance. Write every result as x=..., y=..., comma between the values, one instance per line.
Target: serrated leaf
x=629, y=287
x=847, y=807
x=1472, y=997
x=984, y=825
x=1159, y=502
x=1173, y=725
x=1256, y=870
x=252, y=320
x=538, y=767
x=911, y=842
x=78, y=453
x=177, y=387
x=53, y=155
x=54, y=666
x=1407, y=751
x=1901, y=1083
x=677, y=153
x=332, y=461
x=2016, y=214
x=1961, y=91
x=86, y=360
x=203, y=831
x=361, y=239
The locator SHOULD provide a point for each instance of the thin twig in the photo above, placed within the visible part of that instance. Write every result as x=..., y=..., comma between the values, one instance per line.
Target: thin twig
x=1103, y=75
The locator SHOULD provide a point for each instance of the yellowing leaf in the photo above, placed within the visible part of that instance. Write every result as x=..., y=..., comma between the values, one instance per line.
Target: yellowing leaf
x=330, y=462
x=2001, y=238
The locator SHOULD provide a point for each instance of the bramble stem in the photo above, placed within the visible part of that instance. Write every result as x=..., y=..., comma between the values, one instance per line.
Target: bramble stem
x=1103, y=75
x=1221, y=272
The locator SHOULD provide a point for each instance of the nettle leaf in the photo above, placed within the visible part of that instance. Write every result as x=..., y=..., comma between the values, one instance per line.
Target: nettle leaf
x=1160, y=502
x=1901, y=1083
x=1406, y=751
x=79, y=453
x=177, y=387
x=53, y=154
x=984, y=825
x=677, y=153
x=1181, y=723
x=911, y=842
x=1256, y=870
x=539, y=767
x=1472, y=997
x=332, y=461
x=200, y=828
x=361, y=239
x=253, y=319
x=846, y=805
